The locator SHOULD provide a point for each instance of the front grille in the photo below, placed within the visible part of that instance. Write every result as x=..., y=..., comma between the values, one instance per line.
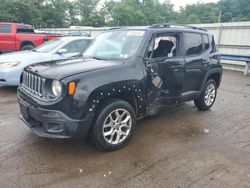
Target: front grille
x=33, y=84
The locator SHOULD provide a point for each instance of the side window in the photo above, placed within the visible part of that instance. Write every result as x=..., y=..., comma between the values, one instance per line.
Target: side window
x=164, y=46
x=81, y=45
x=77, y=46
x=206, y=42
x=193, y=44
x=5, y=28
x=24, y=29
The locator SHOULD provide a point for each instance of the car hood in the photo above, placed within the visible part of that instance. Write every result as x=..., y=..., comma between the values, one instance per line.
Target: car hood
x=61, y=69
x=19, y=56
x=25, y=57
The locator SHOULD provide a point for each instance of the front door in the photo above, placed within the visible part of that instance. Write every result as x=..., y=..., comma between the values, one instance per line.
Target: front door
x=165, y=69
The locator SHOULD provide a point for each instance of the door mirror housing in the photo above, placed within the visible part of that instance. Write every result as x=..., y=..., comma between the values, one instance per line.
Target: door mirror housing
x=76, y=55
x=62, y=51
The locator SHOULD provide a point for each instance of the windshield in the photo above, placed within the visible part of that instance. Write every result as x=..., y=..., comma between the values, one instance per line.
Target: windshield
x=49, y=46
x=116, y=45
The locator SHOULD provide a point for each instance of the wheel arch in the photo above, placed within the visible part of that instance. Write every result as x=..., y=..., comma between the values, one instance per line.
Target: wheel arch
x=214, y=74
x=26, y=42
x=131, y=92
x=216, y=77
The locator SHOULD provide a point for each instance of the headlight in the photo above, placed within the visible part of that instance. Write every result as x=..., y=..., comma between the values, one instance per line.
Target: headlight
x=9, y=64
x=56, y=88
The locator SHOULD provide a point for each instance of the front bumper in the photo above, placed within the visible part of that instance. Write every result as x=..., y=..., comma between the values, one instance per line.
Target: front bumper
x=10, y=77
x=51, y=123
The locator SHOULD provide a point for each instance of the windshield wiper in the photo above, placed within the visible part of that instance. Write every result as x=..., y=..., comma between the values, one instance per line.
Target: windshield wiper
x=98, y=58
x=94, y=57
x=77, y=55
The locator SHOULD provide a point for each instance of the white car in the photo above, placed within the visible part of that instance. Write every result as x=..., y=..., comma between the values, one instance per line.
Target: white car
x=12, y=64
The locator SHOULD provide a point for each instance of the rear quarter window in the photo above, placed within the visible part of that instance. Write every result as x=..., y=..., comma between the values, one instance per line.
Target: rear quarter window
x=5, y=28
x=214, y=48
x=192, y=44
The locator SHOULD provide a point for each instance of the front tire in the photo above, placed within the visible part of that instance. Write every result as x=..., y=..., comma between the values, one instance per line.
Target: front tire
x=207, y=97
x=114, y=125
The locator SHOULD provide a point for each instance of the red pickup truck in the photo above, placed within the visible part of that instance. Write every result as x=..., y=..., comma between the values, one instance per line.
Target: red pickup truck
x=17, y=36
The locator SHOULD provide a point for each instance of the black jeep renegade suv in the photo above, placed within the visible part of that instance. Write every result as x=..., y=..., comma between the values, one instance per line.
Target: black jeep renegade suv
x=125, y=75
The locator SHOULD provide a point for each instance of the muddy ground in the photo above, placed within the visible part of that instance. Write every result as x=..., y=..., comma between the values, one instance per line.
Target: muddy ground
x=181, y=148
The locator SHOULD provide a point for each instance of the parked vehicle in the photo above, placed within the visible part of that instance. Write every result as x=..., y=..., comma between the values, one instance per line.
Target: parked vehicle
x=17, y=36
x=12, y=64
x=125, y=75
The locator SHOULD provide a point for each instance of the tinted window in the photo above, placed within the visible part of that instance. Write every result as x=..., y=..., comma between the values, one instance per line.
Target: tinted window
x=24, y=29
x=206, y=41
x=5, y=28
x=193, y=43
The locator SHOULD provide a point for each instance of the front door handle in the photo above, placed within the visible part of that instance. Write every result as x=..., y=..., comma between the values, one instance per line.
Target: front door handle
x=176, y=66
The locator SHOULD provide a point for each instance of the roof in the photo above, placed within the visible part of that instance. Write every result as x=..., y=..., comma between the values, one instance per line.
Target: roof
x=167, y=26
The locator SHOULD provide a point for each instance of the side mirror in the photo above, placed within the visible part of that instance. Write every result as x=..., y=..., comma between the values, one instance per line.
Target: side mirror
x=78, y=54
x=62, y=51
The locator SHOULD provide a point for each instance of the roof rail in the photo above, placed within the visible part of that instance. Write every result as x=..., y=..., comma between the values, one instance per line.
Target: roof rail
x=168, y=25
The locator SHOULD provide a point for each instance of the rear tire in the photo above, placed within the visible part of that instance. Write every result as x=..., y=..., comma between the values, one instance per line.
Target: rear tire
x=114, y=125
x=27, y=47
x=207, y=97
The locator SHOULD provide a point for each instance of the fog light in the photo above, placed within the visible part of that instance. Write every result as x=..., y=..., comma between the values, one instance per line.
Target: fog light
x=51, y=114
x=54, y=127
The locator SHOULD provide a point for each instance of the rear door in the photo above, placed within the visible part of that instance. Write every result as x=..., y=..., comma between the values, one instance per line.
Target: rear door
x=7, y=38
x=196, y=62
